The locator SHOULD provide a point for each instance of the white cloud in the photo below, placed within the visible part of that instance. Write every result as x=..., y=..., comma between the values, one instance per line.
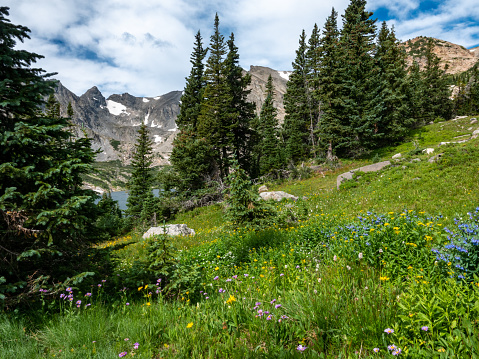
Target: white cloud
x=143, y=46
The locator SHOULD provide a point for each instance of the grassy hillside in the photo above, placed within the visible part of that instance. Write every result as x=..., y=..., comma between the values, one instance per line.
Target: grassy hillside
x=376, y=269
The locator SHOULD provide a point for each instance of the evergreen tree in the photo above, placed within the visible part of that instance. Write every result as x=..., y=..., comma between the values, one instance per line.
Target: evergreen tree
x=240, y=112
x=296, y=104
x=191, y=155
x=193, y=93
x=213, y=119
x=389, y=111
x=139, y=185
x=44, y=212
x=313, y=66
x=330, y=130
x=416, y=95
x=436, y=87
x=357, y=68
x=268, y=153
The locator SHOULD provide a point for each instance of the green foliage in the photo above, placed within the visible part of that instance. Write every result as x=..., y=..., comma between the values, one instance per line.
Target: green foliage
x=245, y=208
x=44, y=210
x=139, y=185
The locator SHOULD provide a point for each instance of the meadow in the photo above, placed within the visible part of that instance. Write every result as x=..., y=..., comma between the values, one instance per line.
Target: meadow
x=384, y=267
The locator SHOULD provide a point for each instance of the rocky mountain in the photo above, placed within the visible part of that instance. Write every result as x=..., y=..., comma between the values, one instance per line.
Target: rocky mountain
x=456, y=57
x=113, y=122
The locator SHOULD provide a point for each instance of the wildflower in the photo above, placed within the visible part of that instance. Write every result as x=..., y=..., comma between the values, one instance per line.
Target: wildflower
x=127, y=303
x=277, y=306
x=231, y=299
x=189, y=325
x=392, y=347
x=425, y=328
x=126, y=339
x=257, y=303
x=136, y=346
x=215, y=278
x=282, y=274
x=442, y=350
x=88, y=295
x=78, y=302
x=122, y=354
x=388, y=330
x=376, y=350
x=335, y=258
x=360, y=255
x=269, y=317
x=297, y=266
x=148, y=303
x=103, y=280
x=348, y=267
x=246, y=275
x=221, y=290
x=235, y=276
x=301, y=348
x=69, y=289
x=99, y=285
x=397, y=351
x=274, y=300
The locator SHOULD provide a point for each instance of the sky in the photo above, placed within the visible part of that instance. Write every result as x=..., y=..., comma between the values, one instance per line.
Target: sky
x=143, y=47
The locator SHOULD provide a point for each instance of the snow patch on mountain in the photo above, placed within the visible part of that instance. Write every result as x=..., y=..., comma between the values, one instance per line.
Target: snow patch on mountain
x=115, y=108
x=145, y=99
x=157, y=98
x=158, y=139
x=284, y=74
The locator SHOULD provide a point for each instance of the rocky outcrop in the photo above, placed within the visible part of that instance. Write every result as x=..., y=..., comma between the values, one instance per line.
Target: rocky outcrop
x=456, y=57
x=277, y=196
x=171, y=230
x=371, y=168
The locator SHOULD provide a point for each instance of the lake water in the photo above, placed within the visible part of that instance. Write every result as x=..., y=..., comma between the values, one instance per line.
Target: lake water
x=122, y=197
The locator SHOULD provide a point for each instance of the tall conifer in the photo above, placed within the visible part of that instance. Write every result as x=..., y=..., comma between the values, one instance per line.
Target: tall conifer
x=296, y=104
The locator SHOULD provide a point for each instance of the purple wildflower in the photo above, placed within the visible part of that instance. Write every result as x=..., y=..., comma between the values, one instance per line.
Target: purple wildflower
x=425, y=328
x=136, y=346
x=376, y=350
x=215, y=278
x=122, y=354
x=277, y=306
x=388, y=330
x=301, y=348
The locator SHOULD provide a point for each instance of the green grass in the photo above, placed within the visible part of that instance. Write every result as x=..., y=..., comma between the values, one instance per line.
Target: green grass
x=340, y=280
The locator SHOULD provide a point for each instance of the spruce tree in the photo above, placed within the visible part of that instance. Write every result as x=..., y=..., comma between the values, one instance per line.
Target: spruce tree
x=329, y=129
x=45, y=215
x=388, y=110
x=213, y=119
x=296, y=104
x=240, y=112
x=141, y=179
x=193, y=92
x=357, y=67
x=268, y=150
x=191, y=155
x=436, y=87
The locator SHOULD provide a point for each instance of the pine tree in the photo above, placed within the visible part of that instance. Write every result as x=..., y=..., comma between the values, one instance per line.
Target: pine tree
x=329, y=129
x=213, y=120
x=436, y=87
x=191, y=155
x=240, y=112
x=195, y=85
x=44, y=212
x=357, y=67
x=268, y=151
x=313, y=66
x=388, y=109
x=296, y=104
x=141, y=179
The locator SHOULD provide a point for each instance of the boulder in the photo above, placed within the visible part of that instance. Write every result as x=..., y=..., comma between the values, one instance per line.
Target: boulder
x=263, y=188
x=371, y=168
x=171, y=230
x=473, y=121
x=397, y=155
x=277, y=196
x=428, y=151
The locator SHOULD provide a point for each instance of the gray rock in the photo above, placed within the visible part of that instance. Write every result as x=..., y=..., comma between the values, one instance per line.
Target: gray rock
x=428, y=151
x=397, y=155
x=277, y=196
x=473, y=121
x=263, y=188
x=370, y=168
x=416, y=160
x=444, y=143
x=171, y=230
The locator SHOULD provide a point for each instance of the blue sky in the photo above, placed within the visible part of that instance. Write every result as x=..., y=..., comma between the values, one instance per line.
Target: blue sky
x=143, y=47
